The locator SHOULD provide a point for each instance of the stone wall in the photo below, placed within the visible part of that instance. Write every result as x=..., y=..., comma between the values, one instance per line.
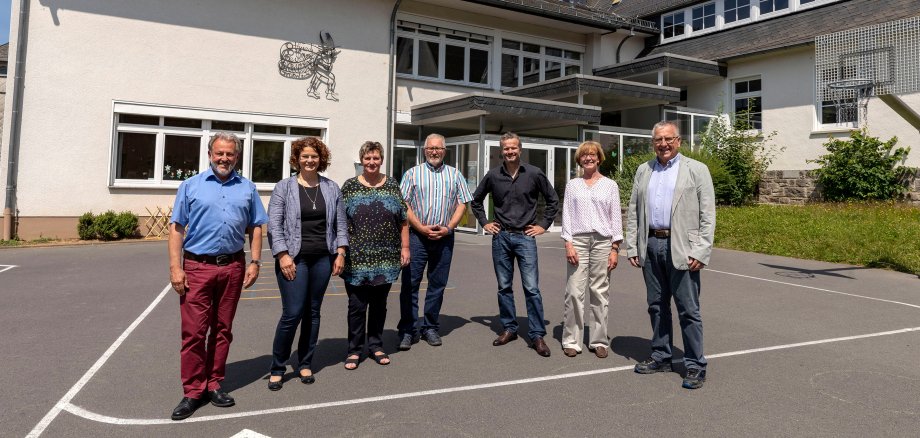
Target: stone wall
x=799, y=187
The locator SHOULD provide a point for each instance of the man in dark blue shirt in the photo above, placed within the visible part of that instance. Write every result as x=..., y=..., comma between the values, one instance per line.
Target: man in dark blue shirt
x=515, y=188
x=213, y=212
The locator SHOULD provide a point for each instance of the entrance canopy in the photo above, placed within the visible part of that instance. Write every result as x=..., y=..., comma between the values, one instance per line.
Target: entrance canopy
x=679, y=70
x=610, y=94
x=502, y=113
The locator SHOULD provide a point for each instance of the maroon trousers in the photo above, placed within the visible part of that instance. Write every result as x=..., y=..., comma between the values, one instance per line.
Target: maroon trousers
x=207, y=311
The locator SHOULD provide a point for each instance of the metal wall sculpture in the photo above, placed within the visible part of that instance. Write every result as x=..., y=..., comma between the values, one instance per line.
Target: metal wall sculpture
x=313, y=62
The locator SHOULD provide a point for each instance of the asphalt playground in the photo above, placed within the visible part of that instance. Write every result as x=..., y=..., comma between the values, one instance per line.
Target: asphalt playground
x=90, y=348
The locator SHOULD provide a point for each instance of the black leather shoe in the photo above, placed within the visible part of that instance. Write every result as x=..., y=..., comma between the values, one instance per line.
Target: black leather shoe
x=540, y=345
x=307, y=380
x=186, y=408
x=221, y=399
x=275, y=386
x=652, y=366
x=504, y=338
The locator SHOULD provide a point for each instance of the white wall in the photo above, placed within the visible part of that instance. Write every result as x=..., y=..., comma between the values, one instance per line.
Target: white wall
x=788, y=84
x=212, y=54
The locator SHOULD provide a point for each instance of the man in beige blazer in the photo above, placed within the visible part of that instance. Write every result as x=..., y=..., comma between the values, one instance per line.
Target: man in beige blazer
x=670, y=226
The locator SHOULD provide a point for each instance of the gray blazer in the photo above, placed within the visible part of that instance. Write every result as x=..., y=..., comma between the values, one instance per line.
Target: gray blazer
x=693, y=214
x=284, y=216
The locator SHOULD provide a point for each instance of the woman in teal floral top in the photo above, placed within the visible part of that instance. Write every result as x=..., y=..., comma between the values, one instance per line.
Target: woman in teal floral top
x=378, y=248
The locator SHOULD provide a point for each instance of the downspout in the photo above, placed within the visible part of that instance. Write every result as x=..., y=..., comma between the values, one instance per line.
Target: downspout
x=15, y=122
x=391, y=95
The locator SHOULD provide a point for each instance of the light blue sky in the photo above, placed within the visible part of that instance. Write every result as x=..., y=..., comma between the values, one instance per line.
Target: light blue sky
x=4, y=21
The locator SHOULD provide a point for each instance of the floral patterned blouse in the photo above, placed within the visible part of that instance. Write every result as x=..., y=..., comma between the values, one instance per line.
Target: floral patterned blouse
x=375, y=217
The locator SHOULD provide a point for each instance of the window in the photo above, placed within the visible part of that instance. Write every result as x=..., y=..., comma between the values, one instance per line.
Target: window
x=767, y=6
x=424, y=51
x=736, y=10
x=704, y=17
x=528, y=63
x=747, y=98
x=3, y=70
x=168, y=145
x=672, y=25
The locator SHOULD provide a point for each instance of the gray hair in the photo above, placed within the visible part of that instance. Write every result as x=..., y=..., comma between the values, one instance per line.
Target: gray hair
x=227, y=136
x=435, y=136
x=510, y=136
x=368, y=147
x=664, y=123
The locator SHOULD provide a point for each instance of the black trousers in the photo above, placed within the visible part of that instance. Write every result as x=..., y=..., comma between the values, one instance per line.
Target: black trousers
x=367, y=313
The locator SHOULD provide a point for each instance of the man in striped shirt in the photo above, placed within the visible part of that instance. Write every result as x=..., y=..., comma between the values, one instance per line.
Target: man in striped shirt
x=436, y=195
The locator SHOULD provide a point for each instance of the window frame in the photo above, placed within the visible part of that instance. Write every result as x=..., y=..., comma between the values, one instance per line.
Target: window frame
x=542, y=57
x=443, y=40
x=754, y=14
x=207, y=116
x=747, y=96
x=714, y=15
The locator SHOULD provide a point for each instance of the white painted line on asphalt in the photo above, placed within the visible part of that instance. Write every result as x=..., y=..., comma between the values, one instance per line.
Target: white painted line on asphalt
x=76, y=410
x=816, y=288
x=65, y=401
x=4, y=268
x=246, y=433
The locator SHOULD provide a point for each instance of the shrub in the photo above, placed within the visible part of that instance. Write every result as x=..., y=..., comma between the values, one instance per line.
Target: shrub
x=862, y=167
x=722, y=180
x=745, y=153
x=107, y=226
x=85, y=226
x=126, y=224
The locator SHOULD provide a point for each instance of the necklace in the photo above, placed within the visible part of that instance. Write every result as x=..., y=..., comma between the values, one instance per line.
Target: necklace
x=314, y=197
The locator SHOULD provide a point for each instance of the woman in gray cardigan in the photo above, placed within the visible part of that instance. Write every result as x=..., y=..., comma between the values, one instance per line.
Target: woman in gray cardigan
x=308, y=233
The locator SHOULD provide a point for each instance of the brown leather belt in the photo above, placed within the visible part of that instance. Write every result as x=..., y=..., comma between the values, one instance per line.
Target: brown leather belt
x=219, y=260
x=661, y=234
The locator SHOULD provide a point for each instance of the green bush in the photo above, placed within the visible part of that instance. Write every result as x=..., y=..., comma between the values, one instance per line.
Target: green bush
x=745, y=153
x=107, y=226
x=126, y=224
x=722, y=180
x=862, y=168
x=85, y=226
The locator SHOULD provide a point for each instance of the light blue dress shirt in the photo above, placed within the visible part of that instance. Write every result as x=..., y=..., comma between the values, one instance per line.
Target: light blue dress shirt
x=216, y=214
x=661, y=193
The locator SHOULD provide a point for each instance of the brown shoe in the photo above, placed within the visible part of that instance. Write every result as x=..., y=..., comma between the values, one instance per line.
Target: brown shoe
x=504, y=338
x=570, y=352
x=540, y=346
x=600, y=352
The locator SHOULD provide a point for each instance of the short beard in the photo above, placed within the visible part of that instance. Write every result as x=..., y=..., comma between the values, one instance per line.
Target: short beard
x=219, y=172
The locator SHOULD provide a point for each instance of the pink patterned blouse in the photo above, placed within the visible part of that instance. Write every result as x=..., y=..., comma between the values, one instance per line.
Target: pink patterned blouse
x=594, y=209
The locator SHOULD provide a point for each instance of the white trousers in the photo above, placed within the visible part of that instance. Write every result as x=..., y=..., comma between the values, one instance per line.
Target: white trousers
x=589, y=281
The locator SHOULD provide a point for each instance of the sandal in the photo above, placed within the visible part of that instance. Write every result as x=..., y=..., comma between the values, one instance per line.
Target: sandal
x=379, y=356
x=352, y=360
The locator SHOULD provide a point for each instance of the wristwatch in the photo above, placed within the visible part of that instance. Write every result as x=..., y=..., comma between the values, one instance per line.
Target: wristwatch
x=256, y=262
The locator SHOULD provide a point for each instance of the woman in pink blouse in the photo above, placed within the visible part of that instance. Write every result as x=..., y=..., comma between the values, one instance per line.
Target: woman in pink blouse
x=592, y=228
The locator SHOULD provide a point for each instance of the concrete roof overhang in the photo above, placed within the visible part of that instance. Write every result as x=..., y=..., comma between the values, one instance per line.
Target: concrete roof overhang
x=502, y=113
x=610, y=94
x=680, y=70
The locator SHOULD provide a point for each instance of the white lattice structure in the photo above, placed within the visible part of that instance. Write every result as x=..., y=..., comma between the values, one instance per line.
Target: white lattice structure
x=887, y=54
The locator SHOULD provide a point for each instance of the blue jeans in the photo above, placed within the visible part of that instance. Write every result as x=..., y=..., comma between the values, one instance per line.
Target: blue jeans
x=663, y=281
x=505, y=248
x=437, y=254
x=308, y=286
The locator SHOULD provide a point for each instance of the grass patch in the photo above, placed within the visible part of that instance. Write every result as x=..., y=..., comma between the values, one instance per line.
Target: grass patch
x=879, y=235
x=11, y=242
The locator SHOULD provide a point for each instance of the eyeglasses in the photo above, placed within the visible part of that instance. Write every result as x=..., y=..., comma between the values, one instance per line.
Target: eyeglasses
x=434, y=149
x=667, y=140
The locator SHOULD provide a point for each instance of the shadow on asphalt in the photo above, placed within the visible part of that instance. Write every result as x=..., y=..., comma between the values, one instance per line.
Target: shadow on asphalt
x=791, y=271
x=242, y=373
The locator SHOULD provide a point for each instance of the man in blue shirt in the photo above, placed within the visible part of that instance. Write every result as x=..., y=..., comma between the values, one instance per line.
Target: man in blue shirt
x=207, y=268
x=670, y=227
